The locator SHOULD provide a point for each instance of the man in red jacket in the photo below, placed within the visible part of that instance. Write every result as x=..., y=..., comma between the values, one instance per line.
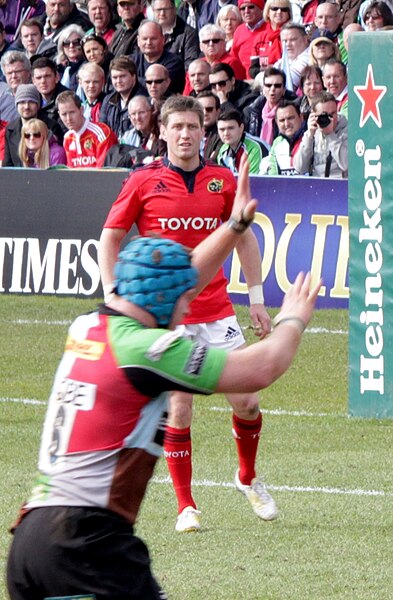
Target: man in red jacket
x=246, y=34
x=85, y=143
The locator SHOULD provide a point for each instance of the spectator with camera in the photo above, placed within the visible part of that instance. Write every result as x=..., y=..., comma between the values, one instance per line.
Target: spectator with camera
x=323, y=151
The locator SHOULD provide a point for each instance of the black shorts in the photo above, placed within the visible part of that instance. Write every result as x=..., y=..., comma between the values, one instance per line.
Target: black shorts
x=67, y=551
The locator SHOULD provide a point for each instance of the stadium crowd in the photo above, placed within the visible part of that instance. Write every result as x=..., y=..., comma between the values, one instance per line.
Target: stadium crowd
x=103, y=83
x=271, y=76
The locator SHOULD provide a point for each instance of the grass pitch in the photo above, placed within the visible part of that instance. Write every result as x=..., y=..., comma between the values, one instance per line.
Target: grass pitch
x=330, y=474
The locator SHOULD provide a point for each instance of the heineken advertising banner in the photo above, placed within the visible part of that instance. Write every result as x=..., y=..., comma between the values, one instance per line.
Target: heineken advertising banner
x=371, y=224
x=51, y=222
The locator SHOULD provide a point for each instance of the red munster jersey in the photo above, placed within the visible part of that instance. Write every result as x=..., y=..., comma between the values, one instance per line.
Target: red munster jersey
x=88, y=147
x=185, y=207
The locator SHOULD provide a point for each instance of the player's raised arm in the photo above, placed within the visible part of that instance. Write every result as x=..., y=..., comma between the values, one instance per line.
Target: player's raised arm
x=210, y=254
x=259, y=365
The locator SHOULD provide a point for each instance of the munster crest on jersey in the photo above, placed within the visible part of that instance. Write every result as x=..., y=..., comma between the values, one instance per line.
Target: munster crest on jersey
x=215, y=185
x=88, y=144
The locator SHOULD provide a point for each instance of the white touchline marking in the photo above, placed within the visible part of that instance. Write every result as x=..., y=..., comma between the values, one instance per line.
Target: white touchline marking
x=313, y=330
x=324, y=330
x=37, y=322
x=274, y=412
x=24, y=401
x=276, y=488
x=68, y=322
x=283, y=488
x=282, y=412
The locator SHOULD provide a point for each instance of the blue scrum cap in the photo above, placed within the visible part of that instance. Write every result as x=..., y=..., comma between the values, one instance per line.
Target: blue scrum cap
x=153, y=273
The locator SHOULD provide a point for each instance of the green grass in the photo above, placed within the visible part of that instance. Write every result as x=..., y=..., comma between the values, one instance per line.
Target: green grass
x=329, y=542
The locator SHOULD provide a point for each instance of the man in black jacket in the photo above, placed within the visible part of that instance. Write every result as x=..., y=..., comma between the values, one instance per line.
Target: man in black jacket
x=28, y=101
x=151, y=42
x=46, y=79
x=211, y=110
x=180, y=38
x=260, y=114
x=114, y=109
x=124, y=41
x=232, y=92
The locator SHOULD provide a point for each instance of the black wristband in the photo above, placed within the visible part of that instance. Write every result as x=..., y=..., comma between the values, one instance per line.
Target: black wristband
x=239, y=225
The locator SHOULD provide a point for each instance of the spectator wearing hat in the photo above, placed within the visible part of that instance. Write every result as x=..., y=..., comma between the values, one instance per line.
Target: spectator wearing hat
x=247, y=33
x=322, y=48
x=335, y=80
x=124, y=40
x=28, y=103
x=328, y=17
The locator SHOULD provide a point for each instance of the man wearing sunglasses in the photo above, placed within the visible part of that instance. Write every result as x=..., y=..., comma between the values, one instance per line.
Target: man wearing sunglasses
x=246, y=34
x=260, y=115
x=151, y=44
x=157, y=83
x=212, y=44
x=59, y=15
x=232, y=92
x=28, y=103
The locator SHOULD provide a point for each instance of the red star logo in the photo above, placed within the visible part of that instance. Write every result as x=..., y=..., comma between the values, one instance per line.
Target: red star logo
x=370, y=96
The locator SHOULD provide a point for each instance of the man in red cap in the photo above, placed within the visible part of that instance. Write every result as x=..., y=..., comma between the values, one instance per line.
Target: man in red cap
x=245, y=34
